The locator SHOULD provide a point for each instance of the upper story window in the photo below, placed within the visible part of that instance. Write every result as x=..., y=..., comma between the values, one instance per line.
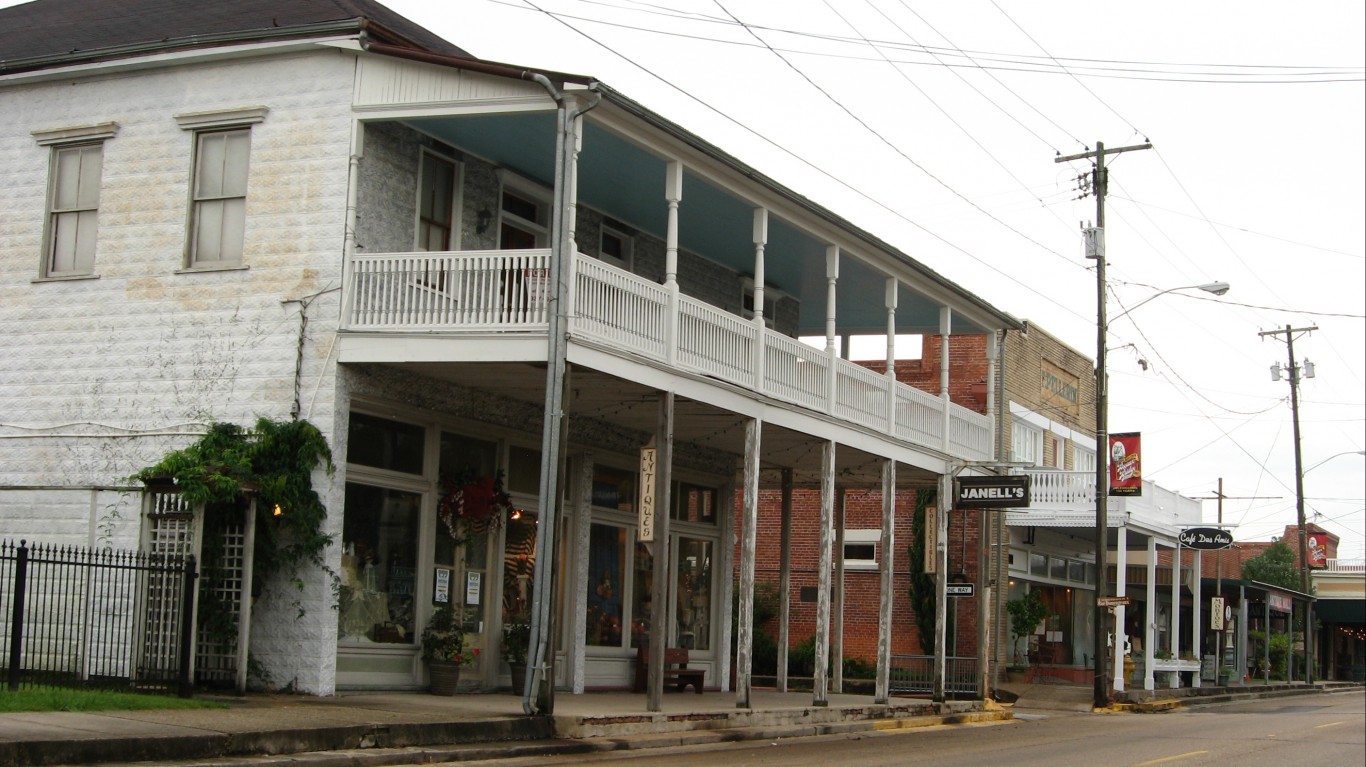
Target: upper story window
x=1026, y=443
x=436, y=204
x=1083, y=459
x=615, y=246
x=524, y=222
x=218, y=187
x=861, y=549
x=73, y=201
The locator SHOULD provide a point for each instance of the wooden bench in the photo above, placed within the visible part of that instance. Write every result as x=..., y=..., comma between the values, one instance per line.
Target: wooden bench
x=676, y=669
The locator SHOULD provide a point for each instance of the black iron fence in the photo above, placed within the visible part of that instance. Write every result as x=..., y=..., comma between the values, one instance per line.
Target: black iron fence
x=914, y=674
x=78, y=617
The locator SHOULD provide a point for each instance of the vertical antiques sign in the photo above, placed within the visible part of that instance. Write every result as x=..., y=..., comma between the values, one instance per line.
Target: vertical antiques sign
x=931, y=537
x=647, y=494
x=1126, y=473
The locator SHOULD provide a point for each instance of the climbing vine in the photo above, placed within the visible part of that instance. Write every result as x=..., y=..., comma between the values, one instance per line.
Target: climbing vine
x=276, y=460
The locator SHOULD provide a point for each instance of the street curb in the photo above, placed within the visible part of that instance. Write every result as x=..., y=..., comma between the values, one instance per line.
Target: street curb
x=1168, y=704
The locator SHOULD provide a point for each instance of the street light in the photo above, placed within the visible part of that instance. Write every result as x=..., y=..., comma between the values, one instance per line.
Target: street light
x=1096, y=250
x=1331, y=457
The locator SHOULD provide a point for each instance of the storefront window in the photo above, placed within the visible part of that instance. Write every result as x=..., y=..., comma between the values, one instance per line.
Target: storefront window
x=385, y=444
x=524, y=470
x=614, y=489
x=379, y=559
x=693, y=503
x=1038, y=564
x=694, y=593
x=642, y=593
x=606, y=571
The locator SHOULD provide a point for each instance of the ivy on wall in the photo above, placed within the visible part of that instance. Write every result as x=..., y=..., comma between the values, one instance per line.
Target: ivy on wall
x=276, y=460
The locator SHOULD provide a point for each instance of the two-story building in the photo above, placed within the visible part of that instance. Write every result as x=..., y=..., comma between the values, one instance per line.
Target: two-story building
x=462, y=272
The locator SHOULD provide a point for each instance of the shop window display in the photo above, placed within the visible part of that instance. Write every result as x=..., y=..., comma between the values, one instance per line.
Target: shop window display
x=378, y=567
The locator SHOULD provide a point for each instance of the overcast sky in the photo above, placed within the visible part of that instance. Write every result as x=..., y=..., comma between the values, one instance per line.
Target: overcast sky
x=935, y=127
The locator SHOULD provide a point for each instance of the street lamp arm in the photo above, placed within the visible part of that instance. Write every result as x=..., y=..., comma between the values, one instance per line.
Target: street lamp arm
x=1331, y=457
x=1217, y=288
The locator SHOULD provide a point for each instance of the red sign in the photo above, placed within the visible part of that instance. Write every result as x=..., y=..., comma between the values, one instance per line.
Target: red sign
x=1126, y=475
x=1318, y=553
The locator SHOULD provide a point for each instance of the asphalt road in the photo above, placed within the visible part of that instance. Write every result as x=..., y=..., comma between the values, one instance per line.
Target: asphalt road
x=1306, y=730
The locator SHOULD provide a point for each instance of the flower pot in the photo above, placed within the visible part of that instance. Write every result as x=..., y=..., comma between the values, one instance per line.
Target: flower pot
x=518, y=677
x=444, y=675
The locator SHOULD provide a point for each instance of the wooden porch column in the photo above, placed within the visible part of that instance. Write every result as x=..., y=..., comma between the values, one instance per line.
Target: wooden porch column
x=1150, y=624
x=577, y=590
x=661, y=550
x=1195, y=617
x=889, y=301
x=887, y=547
x=725, y=595
x=945, y=333
x=832, y=355
x=744, y=644
x=1175, y=632
x=760, y=240
x=944, y=504
x=819, y=684
x=673, y=195
x=784, y=579
x=837, y=597
x=1121, y=586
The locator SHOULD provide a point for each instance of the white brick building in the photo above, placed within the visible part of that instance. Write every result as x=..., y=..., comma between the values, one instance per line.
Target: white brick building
x=321, y=210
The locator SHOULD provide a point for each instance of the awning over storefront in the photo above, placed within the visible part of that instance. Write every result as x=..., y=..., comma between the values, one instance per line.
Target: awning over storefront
x=1341, y=611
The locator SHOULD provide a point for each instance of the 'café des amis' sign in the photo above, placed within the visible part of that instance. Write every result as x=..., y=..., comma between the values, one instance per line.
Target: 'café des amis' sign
x=1205, y=538
x=1010, y=492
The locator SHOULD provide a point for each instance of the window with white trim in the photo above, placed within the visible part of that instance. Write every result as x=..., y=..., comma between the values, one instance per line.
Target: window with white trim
x=861, y=549
x=615, y=246
x=218, y=185
x=524, y=215
x=436, y=203
x=73, y=200
x=1055, y=455
x=1026, y=443
x=1083, y=459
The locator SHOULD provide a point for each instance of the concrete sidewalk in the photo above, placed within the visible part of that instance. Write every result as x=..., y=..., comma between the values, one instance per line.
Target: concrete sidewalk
x=414, y=728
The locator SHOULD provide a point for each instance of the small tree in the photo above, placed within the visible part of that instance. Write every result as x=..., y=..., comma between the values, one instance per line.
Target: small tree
x=1275, y=566
x=1026, y=613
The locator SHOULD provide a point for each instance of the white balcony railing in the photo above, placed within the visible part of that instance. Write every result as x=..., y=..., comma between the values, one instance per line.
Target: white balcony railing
x=509, y=291
x=1350, y=566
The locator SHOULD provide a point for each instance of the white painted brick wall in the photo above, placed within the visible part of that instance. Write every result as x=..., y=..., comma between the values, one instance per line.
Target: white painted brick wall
x=101, y=377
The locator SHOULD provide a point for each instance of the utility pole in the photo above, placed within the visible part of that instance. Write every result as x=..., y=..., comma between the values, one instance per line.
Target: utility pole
x=1095, y=248
x=1293, y=372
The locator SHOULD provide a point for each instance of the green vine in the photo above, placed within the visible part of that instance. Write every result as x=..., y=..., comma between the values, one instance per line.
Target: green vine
x=276, y=460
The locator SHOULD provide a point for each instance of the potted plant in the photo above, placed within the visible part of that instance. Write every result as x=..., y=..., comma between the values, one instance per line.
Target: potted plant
x=516, y=643
x=444, y=649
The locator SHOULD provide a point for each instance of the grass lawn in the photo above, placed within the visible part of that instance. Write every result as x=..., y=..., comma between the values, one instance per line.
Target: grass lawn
x=62, y=699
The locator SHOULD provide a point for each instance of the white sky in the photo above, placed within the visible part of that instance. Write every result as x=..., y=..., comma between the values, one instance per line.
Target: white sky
x=1256, y=183
x=1256, y=110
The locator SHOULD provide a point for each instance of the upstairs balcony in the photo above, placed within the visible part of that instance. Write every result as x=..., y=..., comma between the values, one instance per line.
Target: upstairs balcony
x=1068, y=499
x=506, y=293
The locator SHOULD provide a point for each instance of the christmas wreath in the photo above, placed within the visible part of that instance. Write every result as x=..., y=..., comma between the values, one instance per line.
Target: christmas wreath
x=471, y=504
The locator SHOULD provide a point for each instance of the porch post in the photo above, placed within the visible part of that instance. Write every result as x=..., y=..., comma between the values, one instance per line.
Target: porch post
x=832, y=355
x=1195, y=617
x=725, y=594
x=837, y=597
x=1175, y=632
x=662, y=553
x=944, y=503
x=945, y=331
x=819, y=684
x=1150, y=624
x=745, y=640
x=887, y=548
x=784, y=578
x=673, y=195
x=1121, y=586
x=578, y=575
x=890, y=371
x=760, y=240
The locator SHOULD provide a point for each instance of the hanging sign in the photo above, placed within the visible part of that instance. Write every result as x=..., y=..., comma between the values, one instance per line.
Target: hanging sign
x=958, y=589
x=1216, y=614
x=1205, y=538
x=647, y=494
x=1126, y=475
x=1009, y=492
x=931, y=537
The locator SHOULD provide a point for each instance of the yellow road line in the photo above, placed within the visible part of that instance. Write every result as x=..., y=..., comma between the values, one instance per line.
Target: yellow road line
x=1170, y=758
x=1330, y=724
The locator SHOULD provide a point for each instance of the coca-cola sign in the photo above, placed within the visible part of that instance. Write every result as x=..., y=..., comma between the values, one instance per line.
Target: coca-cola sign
x=1205, y=538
